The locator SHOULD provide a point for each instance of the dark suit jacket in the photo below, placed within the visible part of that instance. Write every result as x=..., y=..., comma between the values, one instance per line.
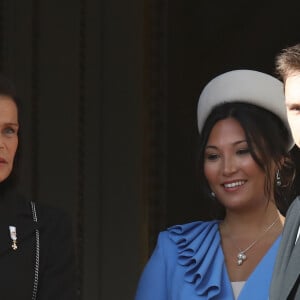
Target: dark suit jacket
x=286, y=276
x=56, y=270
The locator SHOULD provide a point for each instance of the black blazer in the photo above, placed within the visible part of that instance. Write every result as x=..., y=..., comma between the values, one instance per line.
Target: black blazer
x=57, y=277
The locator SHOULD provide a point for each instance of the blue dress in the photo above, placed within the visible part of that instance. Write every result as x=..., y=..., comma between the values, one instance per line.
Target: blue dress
x=188, y=264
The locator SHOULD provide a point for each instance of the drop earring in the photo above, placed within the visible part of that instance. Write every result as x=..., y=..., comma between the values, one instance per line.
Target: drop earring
x=213, y=194
x=278, y=179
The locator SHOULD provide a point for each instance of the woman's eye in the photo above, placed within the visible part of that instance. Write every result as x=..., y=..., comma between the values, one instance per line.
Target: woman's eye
x=9, y=130
x=212, y=156
x=243, y=151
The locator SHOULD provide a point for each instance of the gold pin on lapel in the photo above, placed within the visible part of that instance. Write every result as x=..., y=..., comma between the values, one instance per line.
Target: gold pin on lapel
x=13, y=236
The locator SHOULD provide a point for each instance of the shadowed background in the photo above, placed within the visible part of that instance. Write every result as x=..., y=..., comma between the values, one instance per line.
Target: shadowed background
x=109, y=91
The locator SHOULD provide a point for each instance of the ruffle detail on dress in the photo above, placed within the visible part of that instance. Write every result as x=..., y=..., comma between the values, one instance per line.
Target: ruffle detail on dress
x=199, y=252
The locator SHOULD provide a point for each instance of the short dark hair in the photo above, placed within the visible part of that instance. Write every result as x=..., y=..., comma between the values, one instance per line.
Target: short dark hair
x=267, y=139
x=288, y=61
x=7, y=87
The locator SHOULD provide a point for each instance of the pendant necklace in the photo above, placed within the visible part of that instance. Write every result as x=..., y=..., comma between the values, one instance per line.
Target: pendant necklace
x=241, y=256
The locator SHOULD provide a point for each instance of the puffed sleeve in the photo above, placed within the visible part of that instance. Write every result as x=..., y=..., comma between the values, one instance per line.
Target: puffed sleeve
x=57, y=278
x=152, y=284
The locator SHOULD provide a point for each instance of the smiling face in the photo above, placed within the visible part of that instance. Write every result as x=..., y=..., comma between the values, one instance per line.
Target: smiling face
x=292, y=101
x=231, y=172
x=8, y=135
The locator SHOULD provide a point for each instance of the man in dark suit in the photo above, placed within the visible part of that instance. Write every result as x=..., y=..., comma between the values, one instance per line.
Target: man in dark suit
x=286, y=277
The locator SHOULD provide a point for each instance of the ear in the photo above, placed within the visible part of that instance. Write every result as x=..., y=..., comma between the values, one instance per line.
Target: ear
x=280, y=163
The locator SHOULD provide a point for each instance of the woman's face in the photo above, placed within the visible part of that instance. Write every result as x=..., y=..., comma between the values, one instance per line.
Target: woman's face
x=231, y=172
x=9, y=126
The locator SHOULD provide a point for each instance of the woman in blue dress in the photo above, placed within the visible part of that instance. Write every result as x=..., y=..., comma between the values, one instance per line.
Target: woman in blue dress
x=245, y=168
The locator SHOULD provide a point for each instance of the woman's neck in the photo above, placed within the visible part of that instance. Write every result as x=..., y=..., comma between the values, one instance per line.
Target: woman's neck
x=237, y=223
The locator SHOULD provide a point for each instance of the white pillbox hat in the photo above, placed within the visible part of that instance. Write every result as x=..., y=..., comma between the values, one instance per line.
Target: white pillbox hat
x=243, y=86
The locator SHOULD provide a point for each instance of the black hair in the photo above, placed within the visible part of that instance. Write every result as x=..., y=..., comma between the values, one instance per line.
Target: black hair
x=267, y=139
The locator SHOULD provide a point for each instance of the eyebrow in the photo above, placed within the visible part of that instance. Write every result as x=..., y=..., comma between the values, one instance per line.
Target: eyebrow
x=234, y=144
x=292, y=105
x=10, y=124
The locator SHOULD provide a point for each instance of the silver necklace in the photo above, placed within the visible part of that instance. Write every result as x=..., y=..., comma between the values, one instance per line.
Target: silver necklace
x=241, y=256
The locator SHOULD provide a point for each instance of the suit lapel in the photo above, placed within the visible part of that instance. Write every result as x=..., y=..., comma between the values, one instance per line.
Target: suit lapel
x=292, y=271
x=289, y=255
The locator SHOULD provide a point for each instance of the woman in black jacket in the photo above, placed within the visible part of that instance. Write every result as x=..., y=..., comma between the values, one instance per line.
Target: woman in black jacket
x=36, y=244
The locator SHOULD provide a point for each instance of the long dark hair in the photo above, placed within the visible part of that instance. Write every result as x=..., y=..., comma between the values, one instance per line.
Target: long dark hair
x=268, y=141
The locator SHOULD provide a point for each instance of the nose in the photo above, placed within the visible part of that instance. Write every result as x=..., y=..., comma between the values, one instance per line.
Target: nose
x=229, y=166
x=2, y=142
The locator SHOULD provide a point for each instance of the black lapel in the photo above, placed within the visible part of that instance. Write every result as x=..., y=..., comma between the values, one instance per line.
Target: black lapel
x=14, y=211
